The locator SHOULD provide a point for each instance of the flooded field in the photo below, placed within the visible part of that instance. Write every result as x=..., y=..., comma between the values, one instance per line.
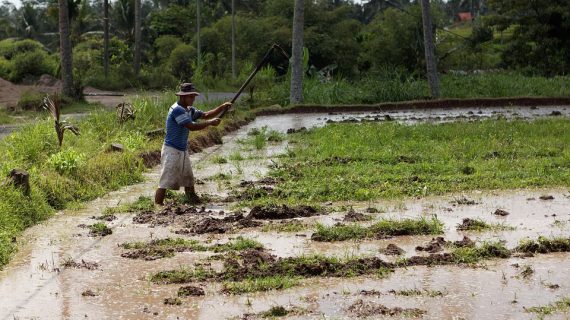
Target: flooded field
x=226, y=256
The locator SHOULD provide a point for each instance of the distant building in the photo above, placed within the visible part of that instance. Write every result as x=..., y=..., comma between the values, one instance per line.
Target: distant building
x=464, y=16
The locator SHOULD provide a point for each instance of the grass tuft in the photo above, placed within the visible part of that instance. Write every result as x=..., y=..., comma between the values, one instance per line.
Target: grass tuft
x=383, y=228
x=260, y=284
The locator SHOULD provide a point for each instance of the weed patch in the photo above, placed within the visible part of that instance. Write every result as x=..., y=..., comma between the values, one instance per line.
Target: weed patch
x=561, y=305
x=260, y=284
x=382, y=229
x=166, y=248
x=480, y=225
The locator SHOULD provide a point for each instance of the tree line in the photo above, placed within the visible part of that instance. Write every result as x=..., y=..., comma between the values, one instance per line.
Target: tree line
x=158, y=43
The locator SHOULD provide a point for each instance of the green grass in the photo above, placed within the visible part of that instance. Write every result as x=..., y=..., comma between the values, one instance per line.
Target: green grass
x=373, y=161
x=393, y=86
x=100, y=229
x=167, y=247
x=141, y=204
x=239, y=244
x=558, y=306
x=544, y=245
x=487, y=250
x=382, y=228
x=260, y=284
x=174, y=243
x=289, y=226
x=6, y=117
x=219, y=160
x=480, y=225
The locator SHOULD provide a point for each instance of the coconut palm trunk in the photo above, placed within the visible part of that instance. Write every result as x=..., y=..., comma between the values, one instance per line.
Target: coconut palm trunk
x=296, y=93
x=199, y=49
x=431, y=66
x=233, y=39
x=65, y=49
x=106, y=37
x=137, y=57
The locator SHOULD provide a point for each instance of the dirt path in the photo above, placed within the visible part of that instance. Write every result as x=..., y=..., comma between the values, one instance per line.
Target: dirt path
x=36, y=284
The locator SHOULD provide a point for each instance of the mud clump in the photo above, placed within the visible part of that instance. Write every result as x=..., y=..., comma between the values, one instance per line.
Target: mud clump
x=81, y=265
x=546, y=197
x=150, y=254
x=293, y=130
x=463, y=202
x=107, y=218
x=89, y=293
x=253, y=257
x=170, y=214
x=172, y=301
x=465, y=242
x=469, y=224
x=432, y=259
x=501, y=212
x=392, y=250
x=435, y=245
x=353, y=216
x=273, y=212
x=188, y=291
x=369, y=309
x=214, y=225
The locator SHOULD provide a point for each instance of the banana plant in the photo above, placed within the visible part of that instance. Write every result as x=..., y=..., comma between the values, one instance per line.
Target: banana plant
x=54, y=106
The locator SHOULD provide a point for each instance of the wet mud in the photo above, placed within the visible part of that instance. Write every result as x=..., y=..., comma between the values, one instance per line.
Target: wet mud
x=362, y=309
x=353, y=216
x=273, y=212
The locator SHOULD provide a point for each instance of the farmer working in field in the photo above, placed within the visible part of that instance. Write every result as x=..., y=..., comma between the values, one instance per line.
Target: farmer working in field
x=175, y=160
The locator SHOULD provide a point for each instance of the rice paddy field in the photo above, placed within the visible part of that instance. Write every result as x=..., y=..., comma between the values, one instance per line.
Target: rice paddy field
x=411, y=213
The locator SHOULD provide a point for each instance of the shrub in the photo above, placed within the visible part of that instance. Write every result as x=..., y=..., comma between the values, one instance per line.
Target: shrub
x=34, y=63
x=180, y=61
x=164, y=45
x=66, y=161
x=31, y=100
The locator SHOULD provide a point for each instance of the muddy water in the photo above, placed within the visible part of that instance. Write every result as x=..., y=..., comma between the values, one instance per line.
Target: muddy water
x=36, y=285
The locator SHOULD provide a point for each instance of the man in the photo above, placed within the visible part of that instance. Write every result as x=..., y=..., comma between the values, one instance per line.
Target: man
x=175, y=160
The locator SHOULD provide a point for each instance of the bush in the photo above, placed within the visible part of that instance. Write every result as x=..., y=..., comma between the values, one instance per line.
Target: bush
x=22, y=58
x=157, y=78
x=9, y=48
x=164, y=45
x=66, y=161
x=31, y=100
x=180, y=61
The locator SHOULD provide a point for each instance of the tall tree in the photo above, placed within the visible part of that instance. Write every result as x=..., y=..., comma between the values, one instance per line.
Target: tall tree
x=198, y=31
x=429, y=46
x=106, y=37
x=137, y=57
x=65, y=49
x=296, y=93
x=233, y=39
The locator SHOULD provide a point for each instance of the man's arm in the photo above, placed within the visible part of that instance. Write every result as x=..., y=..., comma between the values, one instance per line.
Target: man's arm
x=196, y=126
x=215, y=112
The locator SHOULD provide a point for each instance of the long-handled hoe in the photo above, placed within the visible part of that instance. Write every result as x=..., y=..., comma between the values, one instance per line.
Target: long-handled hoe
x=256, y=70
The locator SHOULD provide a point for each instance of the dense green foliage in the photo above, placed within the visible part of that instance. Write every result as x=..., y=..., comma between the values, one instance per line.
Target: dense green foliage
x=371, y=42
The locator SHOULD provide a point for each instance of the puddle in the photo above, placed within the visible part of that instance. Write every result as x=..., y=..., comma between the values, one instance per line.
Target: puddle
x=36, y=285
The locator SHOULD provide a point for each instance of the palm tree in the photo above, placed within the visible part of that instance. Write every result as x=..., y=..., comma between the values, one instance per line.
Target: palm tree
x=296, y=93
x=233, y=39
x=106, y=37
x=137, y=58
x=65, y=49
x=431, y=66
